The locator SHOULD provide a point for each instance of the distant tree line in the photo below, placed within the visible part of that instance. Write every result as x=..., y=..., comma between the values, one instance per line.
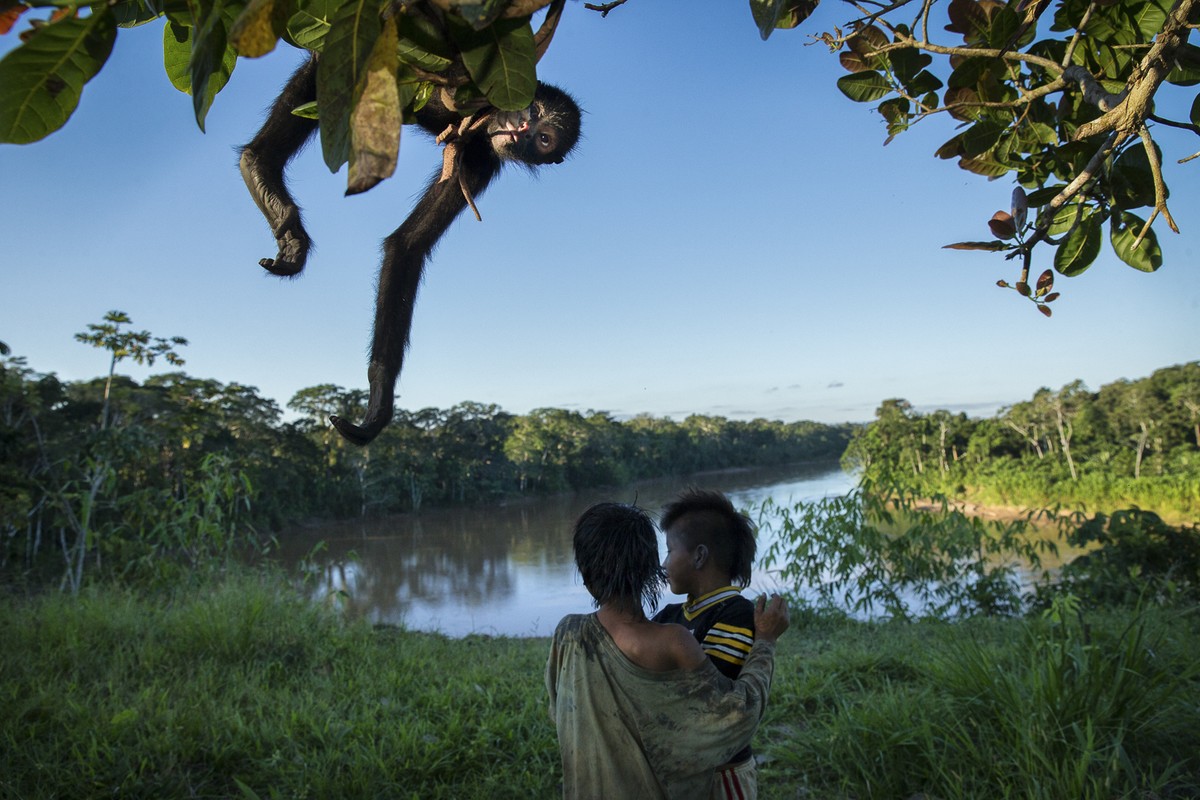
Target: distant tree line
x=112, y=468
x=1132, y=442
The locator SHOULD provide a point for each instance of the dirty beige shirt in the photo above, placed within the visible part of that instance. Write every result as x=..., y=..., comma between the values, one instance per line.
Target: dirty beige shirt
x=627, y=732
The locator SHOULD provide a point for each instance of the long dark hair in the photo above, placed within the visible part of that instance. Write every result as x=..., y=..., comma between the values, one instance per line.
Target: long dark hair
x=616, y=550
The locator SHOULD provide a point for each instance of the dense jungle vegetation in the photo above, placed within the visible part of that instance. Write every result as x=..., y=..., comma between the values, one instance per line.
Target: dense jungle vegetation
x=1131, y=443
x=124, y=472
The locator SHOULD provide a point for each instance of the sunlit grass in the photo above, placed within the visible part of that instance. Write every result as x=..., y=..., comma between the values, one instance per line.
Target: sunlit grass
x=245, y=685
x=244, y=690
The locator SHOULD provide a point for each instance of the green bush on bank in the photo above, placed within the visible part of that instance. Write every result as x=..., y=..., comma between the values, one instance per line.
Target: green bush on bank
x=244, y=689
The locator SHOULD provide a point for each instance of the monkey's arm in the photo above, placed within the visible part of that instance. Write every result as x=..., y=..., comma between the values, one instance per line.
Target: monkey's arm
x=262, y=164
x=405, y=253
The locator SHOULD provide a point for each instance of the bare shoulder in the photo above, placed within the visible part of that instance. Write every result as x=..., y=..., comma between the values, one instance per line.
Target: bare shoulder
x=685, y=652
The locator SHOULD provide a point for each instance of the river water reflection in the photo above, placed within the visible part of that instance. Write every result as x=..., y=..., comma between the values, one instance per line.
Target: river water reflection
x=503, y=570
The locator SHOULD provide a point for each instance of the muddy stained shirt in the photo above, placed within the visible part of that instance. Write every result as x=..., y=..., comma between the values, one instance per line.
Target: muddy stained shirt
x=628, y=732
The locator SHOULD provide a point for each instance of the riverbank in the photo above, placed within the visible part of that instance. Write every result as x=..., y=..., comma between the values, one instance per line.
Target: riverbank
x=246, y=690
x=1009, y=513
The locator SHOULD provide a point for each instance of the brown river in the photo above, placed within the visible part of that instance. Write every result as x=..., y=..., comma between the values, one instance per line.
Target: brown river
x=502, y=570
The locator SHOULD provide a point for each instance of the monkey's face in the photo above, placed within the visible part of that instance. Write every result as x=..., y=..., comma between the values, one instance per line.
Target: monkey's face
x=543, y=133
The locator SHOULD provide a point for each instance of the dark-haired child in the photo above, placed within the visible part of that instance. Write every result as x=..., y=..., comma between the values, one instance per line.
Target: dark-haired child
x=639, y=710
x=710, y=551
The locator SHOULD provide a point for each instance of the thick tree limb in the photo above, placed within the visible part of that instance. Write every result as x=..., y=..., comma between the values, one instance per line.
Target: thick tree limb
x=1129, y=114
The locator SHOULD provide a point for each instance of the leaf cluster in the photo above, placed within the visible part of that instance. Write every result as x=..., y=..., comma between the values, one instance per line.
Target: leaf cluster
x=380, y=61
x=1061, y=101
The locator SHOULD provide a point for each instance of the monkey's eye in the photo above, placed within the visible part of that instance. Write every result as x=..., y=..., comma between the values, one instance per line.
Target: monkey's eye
x=545, y=142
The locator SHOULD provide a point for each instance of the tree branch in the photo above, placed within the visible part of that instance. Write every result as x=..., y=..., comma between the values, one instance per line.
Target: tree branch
x=1128, y=115
x=1069, y=191
x=1160, y=187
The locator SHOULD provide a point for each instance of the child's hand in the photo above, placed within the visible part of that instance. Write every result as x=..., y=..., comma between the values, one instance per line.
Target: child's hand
x=770, y=618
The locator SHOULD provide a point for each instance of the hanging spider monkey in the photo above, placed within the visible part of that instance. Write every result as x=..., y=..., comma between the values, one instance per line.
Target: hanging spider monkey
x=543, y=133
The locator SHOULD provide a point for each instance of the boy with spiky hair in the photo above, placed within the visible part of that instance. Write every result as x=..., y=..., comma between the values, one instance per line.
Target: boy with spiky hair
x=710, y=552
x=639, y=709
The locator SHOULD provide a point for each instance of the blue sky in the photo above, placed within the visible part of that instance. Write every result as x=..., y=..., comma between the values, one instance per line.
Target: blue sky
x=731, y=238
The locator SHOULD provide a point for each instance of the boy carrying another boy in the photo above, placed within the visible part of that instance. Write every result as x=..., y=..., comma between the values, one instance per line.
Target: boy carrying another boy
x=710, y=550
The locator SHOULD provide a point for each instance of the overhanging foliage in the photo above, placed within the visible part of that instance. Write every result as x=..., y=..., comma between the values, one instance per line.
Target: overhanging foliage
x=1062, y=95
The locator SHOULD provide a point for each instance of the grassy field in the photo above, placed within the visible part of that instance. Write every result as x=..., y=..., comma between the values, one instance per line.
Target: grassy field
x=242, y=690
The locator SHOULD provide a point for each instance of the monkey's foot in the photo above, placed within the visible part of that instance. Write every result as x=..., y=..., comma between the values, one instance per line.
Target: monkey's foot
x=293, y=252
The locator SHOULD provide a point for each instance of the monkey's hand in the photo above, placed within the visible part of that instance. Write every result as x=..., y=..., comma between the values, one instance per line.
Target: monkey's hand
x=270, y=194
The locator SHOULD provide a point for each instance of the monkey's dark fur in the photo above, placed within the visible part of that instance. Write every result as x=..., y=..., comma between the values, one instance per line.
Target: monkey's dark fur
x=544, y=133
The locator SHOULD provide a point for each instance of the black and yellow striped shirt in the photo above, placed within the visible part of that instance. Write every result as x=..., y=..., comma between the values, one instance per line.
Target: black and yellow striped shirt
x=722, y=621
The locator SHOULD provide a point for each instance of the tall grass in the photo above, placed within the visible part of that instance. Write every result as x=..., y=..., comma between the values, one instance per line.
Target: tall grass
x=1042, y=709
x=244, y=690
x=248, y=689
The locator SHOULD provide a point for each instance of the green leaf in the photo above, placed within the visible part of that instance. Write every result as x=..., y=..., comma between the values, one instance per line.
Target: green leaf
x=132, y=13
x=771, y=14
x=480, y=13
x=177, y=51
x=969, y=72
x=376, y=122
x=864, y=87
x=1132, y=179
x=895, y=110
x=501, y=61
x=982, y=136
x=421, y=44
x=348, y=44
x=307, y=110
x=924, y=82
x=1124, y=232
x=256, y=30
x=1147, y=17
x=1195, y=113
x=1187, y=66
x=309, y=26
x=983, y=165
x=908, y=63
x=1003, y=25
x=1064, y=218
x=41, y=80
x=1040, y=133
x=1039, y=197
x=1080, y=249
x=212, y=61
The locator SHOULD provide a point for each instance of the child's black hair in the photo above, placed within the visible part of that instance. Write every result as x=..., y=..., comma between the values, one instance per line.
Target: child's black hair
x=711, y=520
x=616, y=551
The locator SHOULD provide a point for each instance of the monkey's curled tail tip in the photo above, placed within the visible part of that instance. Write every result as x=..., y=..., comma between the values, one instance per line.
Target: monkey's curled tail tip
x=356, y=434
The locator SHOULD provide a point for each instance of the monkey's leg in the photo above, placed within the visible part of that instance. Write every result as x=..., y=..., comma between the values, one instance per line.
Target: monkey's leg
x=405, y=254
x=262, y=164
